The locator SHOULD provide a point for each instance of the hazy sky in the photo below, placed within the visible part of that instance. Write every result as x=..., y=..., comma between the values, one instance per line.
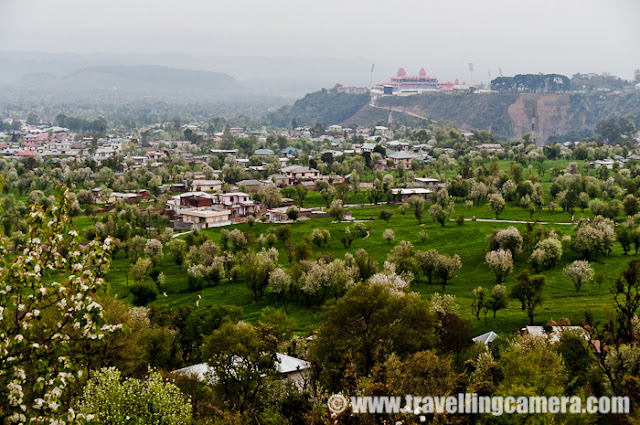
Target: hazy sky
x=564, y=36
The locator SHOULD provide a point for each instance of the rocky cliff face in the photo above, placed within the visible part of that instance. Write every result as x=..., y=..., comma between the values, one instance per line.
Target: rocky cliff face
x=509, y=114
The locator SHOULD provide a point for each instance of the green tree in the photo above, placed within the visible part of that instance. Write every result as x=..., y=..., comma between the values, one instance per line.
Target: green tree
x=302, y=194
x=367, y=319
x=282, y=232
x=497, y=299
x=257, y=267
x=386, y=215
x=178, y=251
x=521, y=364
x=438, y=214
x=292, y=213
x=241, y=362
x=631, y=205
x=270, y=197
x=417, y=206
x=528, y=290
x=479, y=302
x=626, y=298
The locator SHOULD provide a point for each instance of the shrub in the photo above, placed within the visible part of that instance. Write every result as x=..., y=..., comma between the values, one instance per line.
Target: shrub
x=144, y=292
x=389, y=235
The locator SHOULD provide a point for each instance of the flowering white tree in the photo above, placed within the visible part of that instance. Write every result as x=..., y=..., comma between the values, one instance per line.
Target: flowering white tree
x=279, y=281
x=394, y=283
x=507, y=239
x=578, y=272
x=478, y=192
x=501, y=262
x=153, y=250
x=389, y=235
x=323, y=279
x=151, y=401
x=547, y=252
x=595, y=237
x=444, y=303
x=497, y=203
x=48, y=303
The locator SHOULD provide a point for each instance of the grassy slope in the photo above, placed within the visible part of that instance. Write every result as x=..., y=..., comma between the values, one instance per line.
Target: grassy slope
x=467, y=240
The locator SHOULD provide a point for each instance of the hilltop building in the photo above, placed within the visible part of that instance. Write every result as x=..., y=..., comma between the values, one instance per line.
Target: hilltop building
x=403, y=83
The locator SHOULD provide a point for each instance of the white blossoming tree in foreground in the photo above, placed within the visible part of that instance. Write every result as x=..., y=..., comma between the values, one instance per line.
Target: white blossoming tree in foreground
x=48, y=303
x=131, y=401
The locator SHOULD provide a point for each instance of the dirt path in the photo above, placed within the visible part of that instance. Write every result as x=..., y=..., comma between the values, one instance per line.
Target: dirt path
x=493, y=220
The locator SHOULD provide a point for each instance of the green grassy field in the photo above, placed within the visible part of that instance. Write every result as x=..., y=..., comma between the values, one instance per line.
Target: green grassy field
x=469, y=241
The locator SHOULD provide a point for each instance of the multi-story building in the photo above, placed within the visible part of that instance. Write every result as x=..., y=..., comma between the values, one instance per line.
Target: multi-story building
x=418, y=83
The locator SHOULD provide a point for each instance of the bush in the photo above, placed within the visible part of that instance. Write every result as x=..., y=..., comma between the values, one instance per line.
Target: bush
x=460, y=220
x=144, y=292
x=388, y=235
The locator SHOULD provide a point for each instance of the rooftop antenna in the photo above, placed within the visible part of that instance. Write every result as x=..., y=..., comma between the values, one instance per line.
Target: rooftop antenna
x=471, y=72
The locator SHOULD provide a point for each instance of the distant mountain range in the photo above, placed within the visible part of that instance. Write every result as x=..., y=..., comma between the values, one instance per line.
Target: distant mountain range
x=127, y=83
x=277, y=77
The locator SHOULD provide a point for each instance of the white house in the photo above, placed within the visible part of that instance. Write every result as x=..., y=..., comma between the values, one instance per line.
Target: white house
x=202, y=219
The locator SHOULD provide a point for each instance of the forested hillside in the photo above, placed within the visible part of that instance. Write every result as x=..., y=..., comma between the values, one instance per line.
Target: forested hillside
x=326, y=106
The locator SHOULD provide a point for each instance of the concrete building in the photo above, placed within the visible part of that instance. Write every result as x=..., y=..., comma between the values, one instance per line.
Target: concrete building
x=207, y=185
x=427, y=183
x=404, y=158
x=239, y=203
x=402, y=195
x=252, y=186
x=301, y=173
x=202, y=219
